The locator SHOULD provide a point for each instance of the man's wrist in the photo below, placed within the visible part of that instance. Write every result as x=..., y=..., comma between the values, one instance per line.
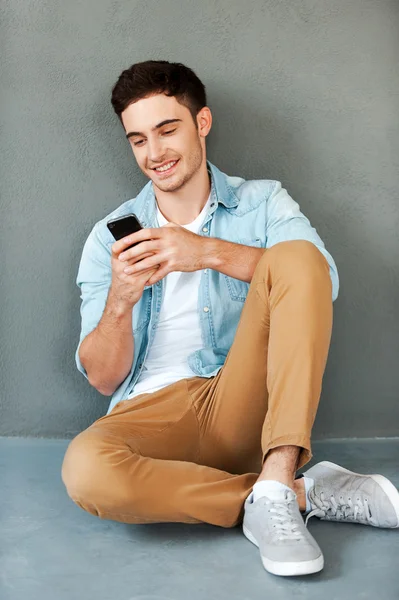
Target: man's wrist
x=212, y=254
x=116, y=306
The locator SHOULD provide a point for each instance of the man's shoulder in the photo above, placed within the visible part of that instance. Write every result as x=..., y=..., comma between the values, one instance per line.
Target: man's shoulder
x=248, y=188
x=248, y=192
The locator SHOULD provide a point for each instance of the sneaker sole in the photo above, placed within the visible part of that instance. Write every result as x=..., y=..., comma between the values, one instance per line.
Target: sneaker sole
x=382, y=481
x=287, y=569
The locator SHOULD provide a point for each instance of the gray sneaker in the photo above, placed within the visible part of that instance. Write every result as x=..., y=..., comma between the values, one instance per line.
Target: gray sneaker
x=342, y=495
x=276, y=526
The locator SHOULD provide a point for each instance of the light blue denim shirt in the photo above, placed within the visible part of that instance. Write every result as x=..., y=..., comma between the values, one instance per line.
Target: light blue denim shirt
x=256, y=213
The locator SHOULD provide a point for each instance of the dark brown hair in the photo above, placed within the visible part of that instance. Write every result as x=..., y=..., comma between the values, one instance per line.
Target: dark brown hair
x=159, y=77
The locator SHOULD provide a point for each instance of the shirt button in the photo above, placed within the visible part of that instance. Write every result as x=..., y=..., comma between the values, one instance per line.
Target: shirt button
x=205, y=229
x=206, y=309
x=206, y=271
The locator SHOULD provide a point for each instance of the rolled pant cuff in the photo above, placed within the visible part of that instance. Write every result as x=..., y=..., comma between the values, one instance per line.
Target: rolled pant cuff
x=299, y=440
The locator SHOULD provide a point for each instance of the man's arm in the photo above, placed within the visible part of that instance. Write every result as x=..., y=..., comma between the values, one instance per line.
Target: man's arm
x=107, y=352
x=106, y=346
x=234, y=260
x=106, y=349
x=175, y=248
x=284, y=222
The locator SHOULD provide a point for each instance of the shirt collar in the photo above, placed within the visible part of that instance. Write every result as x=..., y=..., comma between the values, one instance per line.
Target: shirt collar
x=223, y=192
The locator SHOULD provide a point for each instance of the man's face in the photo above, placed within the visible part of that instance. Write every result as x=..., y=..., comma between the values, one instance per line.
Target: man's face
x=166, y=143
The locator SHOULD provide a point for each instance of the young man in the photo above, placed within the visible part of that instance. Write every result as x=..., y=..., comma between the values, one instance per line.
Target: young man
x=211, y=334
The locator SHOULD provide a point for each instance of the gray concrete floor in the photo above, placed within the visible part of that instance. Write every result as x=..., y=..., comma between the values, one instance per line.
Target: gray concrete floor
x=52, y=550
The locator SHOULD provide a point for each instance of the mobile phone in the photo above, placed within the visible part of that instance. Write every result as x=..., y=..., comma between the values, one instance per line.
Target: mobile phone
x=123, y=226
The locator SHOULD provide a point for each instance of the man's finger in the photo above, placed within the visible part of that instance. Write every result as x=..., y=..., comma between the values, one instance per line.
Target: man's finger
x=143, y=235
x=134, y=238
x=139, y=251
x=141, y=257
x=143, y=265
x=122, y=245
x=145, y=275
x=160, y=274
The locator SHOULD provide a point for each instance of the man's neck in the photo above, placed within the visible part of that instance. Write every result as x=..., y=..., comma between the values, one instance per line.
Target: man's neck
x=184, y=205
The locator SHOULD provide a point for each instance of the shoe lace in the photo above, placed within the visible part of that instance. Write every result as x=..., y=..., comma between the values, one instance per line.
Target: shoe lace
x=332, y=509
x=285, y=521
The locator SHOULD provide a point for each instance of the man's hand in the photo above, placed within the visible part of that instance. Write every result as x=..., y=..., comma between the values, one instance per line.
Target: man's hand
x=171, y=248
x=127, y=289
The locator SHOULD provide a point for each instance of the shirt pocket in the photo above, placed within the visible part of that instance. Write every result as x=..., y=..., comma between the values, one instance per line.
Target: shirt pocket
x=238, y=289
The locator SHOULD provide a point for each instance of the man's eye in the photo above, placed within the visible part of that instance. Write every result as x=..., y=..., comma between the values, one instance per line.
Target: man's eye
x=138, y=143
x=170, y=131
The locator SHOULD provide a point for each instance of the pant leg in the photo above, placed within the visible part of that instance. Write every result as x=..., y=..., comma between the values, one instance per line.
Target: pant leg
x=139, y=465
x=267, y=393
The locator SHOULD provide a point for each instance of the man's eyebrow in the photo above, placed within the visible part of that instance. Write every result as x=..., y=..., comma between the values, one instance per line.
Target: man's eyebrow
x=166, y=122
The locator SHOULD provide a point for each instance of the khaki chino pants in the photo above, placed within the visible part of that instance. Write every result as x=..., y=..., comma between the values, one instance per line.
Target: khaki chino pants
x=192, y=451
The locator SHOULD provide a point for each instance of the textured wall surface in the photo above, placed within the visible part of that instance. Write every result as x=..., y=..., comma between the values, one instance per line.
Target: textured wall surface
x=304, y=92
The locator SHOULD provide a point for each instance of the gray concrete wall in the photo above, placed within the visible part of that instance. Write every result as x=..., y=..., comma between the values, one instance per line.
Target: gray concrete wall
x=305, y=92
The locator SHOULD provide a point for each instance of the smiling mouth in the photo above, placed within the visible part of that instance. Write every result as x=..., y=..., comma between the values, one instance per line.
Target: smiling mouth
x=166, y=169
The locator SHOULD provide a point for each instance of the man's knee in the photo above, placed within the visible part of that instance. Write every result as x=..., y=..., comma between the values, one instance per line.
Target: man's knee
x=296, y=260
x=97, y=474
x=79, y=464
x=86, y=468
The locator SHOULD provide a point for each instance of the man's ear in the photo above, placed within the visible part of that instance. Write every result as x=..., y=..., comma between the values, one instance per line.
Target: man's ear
x=204, y=121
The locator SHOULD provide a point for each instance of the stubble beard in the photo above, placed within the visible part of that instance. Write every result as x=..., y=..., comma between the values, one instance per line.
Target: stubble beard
x=194, y=163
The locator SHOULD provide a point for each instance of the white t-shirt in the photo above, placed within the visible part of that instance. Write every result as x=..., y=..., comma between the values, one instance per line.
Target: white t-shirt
x=178, y=331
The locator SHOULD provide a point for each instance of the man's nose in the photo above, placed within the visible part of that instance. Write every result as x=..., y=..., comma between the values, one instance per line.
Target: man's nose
x=155, y=151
